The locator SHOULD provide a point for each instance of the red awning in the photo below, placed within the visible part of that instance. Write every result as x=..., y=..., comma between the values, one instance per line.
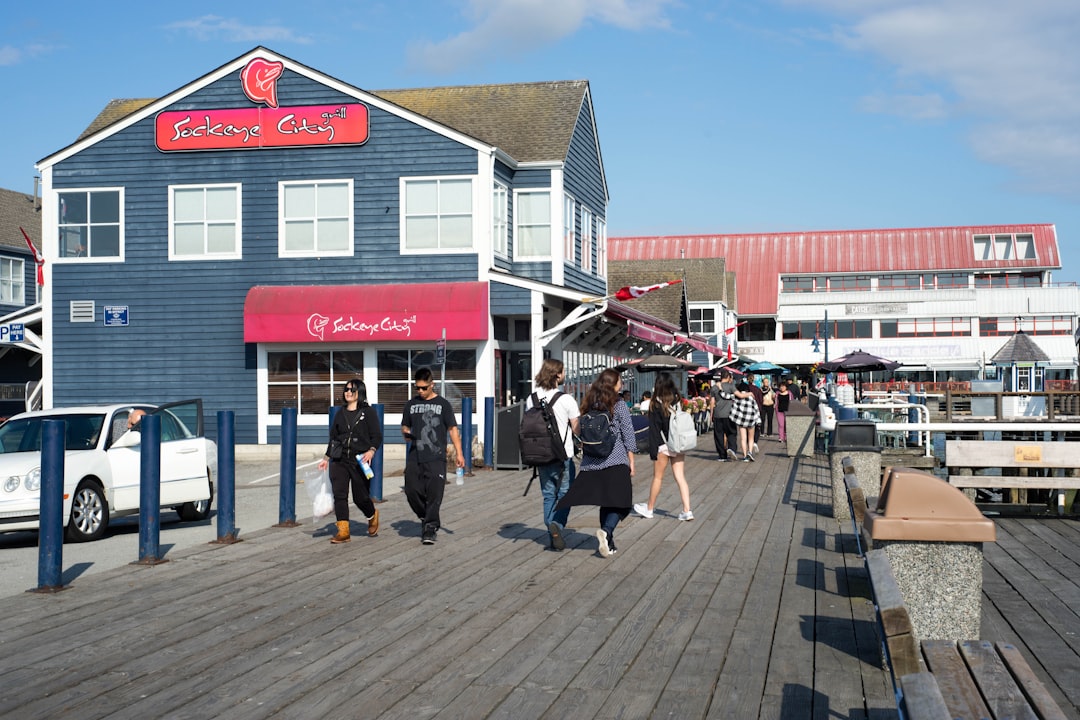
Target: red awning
x=647, y=332
x=366, y=313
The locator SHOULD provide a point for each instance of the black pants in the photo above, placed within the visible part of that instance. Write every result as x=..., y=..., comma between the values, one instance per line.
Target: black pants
x=724, y=430
x=343, y=475
x=766, y=418
x=424, y=487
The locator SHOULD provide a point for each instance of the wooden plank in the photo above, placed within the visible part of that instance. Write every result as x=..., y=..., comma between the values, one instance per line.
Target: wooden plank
x=922, y=698
x=1011, y=454
x=999, y=690
x=1033, y=689
x=1015, y=481
x=957, y=688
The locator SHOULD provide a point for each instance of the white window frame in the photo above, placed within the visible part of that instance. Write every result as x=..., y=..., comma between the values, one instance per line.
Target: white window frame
x=1025, y=246
x=500, y=219
x=236, y=222
x=12, y=281
x=518, y=224
x=586, y=239
x=569, y=237
x=315, y=252
x=601, y=247
x=696, y=326
x=119, y=257
x=403, y=215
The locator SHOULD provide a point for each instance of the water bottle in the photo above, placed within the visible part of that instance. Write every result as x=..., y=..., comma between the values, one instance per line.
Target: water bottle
x=461, y=476
x=365, y=468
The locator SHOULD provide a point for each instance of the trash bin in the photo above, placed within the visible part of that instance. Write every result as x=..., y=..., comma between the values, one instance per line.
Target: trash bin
x=506, y=454
x=933, y=535
x=856, y=439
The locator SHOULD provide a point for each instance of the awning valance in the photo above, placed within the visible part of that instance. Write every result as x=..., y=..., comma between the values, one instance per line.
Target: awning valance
x=366, y=313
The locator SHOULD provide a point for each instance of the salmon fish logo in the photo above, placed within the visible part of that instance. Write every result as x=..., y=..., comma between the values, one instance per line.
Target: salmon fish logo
x=259, y=80
x=316, y=324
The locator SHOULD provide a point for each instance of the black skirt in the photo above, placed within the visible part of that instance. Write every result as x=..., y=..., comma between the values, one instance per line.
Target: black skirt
x=610, y=487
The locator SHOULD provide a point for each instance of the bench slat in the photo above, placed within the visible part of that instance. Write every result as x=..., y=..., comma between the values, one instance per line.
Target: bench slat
x=1015, y=481
x=922, y=698
x=1036, y=692
x=961, y=696
x=998, y=687
x=1002, y=453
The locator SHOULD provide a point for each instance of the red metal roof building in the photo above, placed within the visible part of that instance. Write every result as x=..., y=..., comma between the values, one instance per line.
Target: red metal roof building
x=938, y=299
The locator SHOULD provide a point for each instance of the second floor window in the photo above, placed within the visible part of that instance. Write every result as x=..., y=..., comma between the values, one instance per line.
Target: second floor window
x=499, y=229
x=532, y=223
x=703, y=321
x=90, y=223
x=12, y=281
x=569, y=249
x=601, y=248
x=586, y=240
x=204, y=222
x=437, y=214
x=316, y=218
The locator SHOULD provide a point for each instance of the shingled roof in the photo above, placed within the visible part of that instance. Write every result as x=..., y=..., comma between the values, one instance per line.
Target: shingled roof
x=530, y=122
x=19, y=210
x=1019, y=348
x=704, y=280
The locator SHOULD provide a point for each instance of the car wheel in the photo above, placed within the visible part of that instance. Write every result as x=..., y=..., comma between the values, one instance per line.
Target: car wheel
x=198, y=510
x=89, y=513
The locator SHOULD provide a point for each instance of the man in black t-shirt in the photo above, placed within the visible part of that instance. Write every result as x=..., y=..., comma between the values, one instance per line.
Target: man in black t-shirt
x=426, y=422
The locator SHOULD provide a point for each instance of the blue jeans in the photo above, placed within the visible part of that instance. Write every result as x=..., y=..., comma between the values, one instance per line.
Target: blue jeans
x=555, y=480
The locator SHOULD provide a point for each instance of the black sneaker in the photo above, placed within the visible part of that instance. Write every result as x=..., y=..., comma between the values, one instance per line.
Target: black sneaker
x=557, y=541
x=428, y=538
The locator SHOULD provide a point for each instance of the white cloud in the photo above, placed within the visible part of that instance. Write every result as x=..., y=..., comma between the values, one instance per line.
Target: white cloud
x=928, y=106
x=513, y=28
x=214, y=27
x=1009, y=68
x=13, y=56
x=9, y=55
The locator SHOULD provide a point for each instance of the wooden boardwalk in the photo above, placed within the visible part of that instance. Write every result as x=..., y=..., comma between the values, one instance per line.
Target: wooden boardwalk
x=757, y=609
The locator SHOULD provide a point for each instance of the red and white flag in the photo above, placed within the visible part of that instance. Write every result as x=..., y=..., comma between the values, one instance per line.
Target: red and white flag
x=632, y=292
x=40, y=261
x=729, y=342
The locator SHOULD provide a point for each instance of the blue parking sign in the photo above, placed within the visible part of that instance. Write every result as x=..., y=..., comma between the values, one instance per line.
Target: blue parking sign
x=12, y=333
x=116, y=316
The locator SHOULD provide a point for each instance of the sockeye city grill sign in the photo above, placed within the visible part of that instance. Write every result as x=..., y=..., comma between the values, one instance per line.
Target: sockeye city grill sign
x=261, y=127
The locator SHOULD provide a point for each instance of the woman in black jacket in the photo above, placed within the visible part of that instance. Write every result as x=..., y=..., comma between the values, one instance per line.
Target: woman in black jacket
x=355, y=435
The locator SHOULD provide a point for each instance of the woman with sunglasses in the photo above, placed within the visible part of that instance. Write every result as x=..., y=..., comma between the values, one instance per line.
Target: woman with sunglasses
x=355, y=435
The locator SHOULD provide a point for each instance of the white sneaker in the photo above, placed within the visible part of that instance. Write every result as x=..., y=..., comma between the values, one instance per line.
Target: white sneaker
x=731, y=454
x=688, y=515
x=643, y=510
x=601, y=535
x=754, y=450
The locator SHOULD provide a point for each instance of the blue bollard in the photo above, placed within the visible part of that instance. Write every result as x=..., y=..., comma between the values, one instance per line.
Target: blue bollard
x=226, y=487
x=466, y=433
x=51, y=512
x=287, y=470
x=150, y=491
x=377, y=461
x=489, y=432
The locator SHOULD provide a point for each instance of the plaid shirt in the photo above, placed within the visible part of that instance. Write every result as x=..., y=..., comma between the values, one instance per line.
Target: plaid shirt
x=744, y=412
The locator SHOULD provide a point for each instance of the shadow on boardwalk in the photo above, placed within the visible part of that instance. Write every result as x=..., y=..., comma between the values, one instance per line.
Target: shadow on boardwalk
x=758, y=608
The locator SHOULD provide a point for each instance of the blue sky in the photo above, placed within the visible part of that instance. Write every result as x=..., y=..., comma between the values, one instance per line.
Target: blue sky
x=714, y=117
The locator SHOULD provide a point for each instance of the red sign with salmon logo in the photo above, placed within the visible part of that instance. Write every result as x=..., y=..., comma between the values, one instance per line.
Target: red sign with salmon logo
x=261, y=127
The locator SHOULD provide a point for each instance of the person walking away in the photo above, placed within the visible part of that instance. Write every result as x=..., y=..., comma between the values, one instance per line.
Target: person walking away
x=783, y=399
x=426, y=422
x=723, y=429
x=606, y=481
x=556, y=477
x=355, y=435
x=759, y=398
x=768, y=403
x=745, y=416
x=666, y=399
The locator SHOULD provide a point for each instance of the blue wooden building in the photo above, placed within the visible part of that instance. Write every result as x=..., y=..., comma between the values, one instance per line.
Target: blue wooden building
x=266, y=232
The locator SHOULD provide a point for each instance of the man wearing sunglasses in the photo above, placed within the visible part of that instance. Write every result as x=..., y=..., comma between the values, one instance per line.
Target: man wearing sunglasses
x=425, y=423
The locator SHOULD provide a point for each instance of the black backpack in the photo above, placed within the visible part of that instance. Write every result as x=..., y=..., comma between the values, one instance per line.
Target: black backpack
x=538, y=435
x=597, y=435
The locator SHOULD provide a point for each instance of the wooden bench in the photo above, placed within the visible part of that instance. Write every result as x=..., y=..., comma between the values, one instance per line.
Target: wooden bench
x=942, y=679
x=1045, y=458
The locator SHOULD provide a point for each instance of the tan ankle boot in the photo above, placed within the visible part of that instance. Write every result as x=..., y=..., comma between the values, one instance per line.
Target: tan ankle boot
x=342, y=532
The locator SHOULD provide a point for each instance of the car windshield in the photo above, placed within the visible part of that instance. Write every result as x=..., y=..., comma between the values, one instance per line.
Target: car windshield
x=24, y=434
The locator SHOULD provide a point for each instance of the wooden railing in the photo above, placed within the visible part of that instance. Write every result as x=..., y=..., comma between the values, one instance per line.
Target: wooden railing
x=1056, y=405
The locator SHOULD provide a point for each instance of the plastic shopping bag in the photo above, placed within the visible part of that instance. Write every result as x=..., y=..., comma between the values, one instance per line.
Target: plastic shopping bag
x=318, y=489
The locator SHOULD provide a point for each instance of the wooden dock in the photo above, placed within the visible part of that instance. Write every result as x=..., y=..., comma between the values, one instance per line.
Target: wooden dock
x=757, y=609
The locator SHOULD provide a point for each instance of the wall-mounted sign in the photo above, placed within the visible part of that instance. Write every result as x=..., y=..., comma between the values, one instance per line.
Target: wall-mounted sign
x=115, y=316
x=261, y=127
x=12, y=333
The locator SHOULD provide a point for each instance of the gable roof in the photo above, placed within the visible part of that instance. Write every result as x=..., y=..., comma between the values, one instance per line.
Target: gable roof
x=758, y=260
x=18, y=210
x=530, y=122
x=704, y=280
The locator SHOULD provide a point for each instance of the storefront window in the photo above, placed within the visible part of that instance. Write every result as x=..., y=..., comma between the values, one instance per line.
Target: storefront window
x=90, y=224
x=396, y=368
x=310, y=381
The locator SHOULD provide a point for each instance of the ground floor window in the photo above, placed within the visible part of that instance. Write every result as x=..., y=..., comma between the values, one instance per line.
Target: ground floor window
x=396, y=368
x=310, y=380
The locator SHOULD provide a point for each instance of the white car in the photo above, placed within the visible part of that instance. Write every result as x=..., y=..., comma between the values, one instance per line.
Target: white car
x=102, y=466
